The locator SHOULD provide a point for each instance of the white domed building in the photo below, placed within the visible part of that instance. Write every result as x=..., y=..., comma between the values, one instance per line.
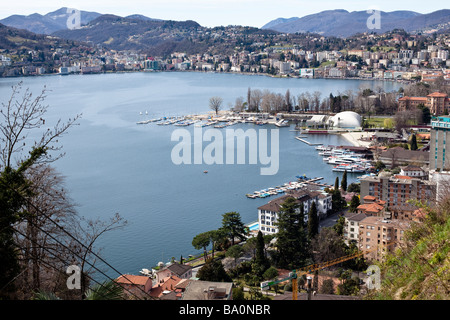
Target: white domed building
x=346, y=120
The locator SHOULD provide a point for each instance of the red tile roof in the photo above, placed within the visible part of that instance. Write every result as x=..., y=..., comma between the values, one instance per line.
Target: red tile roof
x=168, y=284
x=413, y=99
x=402, y=177
x=438, y=94
x=132, y=279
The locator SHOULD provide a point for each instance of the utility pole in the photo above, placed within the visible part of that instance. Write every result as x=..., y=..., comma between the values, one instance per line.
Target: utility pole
x=308, y=279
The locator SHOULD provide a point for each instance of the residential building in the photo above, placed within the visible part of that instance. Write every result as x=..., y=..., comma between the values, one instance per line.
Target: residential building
x=207, y=290
x=397, y=190
x=182, y=271
x=413, y=171
x=401, y=212
x=135, y=286
x=437, y=102
x=440, y=134
x=372, y=207
x=378, y=236
x=351, y=226
x=167, y=286
x=442, y=180
x=397, y=156
x=268, y=213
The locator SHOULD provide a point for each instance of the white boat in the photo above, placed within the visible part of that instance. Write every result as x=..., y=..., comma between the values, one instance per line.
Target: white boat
x=339, y=161
x=143, y=122
x=349, y=168
x=323, y=148
x=282, y=123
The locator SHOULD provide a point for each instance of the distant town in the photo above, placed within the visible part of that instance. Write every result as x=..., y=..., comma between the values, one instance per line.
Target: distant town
x=396, y=56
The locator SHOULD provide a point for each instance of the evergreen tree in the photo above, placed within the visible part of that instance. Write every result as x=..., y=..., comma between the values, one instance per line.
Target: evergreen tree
x=291, y=236
x=336, y=184
x=354, y=203
x=313, y=221
x=344, y=181
x=413, y=142
x=233, y=226
x=213, y=270
x=14, y=192
x=337, y=202
x=200, y=241
x=260, y=257
x=339, y=226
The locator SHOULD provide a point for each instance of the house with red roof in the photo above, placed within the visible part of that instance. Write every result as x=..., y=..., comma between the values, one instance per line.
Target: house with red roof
x=166, y=286
x=437, y=102
x=135, y=286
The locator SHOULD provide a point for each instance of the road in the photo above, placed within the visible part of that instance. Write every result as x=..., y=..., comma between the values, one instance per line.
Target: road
x=330, y=220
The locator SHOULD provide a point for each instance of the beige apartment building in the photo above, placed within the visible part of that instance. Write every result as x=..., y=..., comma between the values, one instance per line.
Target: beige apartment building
x=378, y=236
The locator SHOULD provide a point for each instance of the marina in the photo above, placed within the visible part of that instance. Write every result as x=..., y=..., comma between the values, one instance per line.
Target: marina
x=218, y=121
x=344, y=160
x=301, y=182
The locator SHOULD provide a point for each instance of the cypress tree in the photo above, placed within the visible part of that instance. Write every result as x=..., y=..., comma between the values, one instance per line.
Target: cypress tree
x=414, y=143
x=344, y=181
x=336, y=184
x=313, y=221
x=260, y=257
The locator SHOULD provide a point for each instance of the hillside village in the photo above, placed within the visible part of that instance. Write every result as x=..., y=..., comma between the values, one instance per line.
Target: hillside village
x=396, y=55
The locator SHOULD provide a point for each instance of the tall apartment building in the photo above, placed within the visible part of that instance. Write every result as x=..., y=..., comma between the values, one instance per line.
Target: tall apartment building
x=440, y=134
x=396, y=190
x=439, y=156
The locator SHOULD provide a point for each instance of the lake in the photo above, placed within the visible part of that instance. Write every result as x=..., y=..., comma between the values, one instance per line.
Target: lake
x=114, y=165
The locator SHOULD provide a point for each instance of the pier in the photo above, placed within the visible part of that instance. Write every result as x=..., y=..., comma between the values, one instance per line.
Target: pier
x=307, y=142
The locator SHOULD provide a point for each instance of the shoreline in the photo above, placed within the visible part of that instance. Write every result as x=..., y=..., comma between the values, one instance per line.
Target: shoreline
x=218, y=72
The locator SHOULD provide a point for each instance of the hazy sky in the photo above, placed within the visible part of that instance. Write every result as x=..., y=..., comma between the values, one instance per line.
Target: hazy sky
x=210, y=13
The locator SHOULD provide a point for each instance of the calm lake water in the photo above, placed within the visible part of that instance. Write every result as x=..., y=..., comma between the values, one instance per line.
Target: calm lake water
x=114, y=165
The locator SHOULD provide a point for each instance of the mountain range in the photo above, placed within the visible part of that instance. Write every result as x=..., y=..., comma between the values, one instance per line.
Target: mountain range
x=342, y=23
x=56, y=20
x=338, y=23
x=135, y=33
x=138, y=32
x=48, y=23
